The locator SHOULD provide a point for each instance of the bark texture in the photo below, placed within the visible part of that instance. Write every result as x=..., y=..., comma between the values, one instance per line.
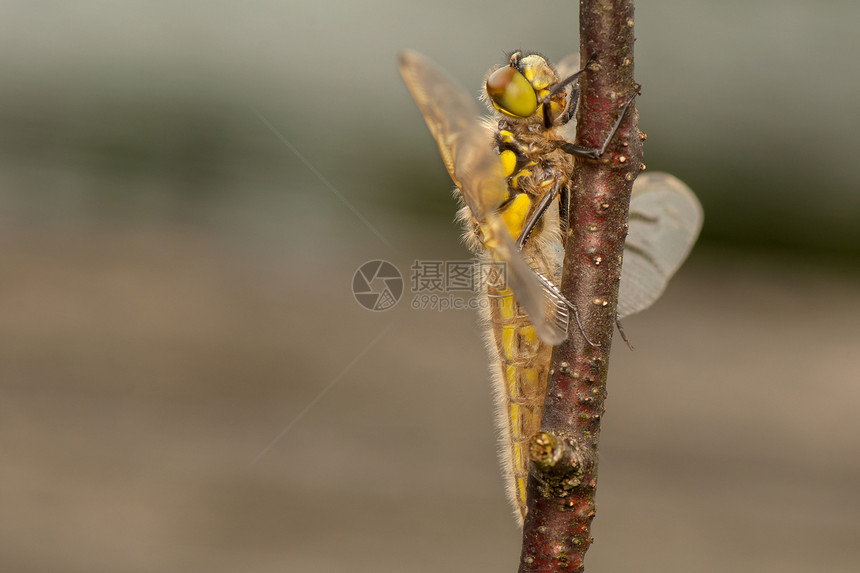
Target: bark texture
x=563, y=476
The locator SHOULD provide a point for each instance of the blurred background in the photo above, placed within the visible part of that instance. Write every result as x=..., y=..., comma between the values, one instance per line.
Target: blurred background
x=187, y=383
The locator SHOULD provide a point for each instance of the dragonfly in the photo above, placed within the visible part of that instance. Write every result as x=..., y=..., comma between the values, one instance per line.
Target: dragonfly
x=512, y=171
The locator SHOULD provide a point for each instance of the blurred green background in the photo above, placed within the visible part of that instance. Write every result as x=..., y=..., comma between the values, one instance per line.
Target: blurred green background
x=187, y=384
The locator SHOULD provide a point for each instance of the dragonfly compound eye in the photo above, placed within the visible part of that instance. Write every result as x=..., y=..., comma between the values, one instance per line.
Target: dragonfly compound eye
x=511, y=93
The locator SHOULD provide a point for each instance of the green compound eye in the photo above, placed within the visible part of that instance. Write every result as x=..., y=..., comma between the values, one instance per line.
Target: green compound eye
x=511, y=93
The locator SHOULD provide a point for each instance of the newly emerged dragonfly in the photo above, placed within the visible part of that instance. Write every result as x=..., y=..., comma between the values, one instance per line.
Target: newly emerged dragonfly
x=513, y=172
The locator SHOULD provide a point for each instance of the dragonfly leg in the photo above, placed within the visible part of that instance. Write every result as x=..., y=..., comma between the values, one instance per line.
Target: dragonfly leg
x=597, y=152
x=538, y=212
x=563, y=210
x=621, y=331
x=579, y=324
x=560, y=299
x=547, y=120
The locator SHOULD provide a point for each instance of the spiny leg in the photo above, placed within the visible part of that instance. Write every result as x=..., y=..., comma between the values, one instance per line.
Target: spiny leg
x=538, y=212
x=547, y=120
x=594, y=152
x=559, y=300
x=546, y=200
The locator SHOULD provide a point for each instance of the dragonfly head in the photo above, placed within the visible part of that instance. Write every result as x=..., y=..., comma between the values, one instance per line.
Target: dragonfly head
x=519, y=89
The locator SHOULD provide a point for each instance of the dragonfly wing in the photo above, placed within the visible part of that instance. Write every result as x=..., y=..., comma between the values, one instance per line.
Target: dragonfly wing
x=466, y=147
x=665, y=219
x=465, y=144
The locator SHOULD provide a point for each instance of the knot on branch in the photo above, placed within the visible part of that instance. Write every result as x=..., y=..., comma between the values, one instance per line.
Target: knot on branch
x=559, y=463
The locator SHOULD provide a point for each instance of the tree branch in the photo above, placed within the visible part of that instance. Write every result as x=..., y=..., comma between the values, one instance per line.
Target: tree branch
x=563, y=477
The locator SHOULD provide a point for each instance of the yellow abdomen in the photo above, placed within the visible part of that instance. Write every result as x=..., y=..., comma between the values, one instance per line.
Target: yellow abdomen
x=520, y=373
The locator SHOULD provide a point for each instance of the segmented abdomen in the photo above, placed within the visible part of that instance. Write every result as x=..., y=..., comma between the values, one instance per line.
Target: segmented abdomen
x=520, y=374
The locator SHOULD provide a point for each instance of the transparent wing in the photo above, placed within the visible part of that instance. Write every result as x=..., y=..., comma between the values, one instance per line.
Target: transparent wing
x=464, y=143
x=467, y=149
x=665, y=219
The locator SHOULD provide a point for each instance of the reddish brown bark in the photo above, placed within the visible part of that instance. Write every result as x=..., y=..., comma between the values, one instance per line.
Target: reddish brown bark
x=563, y=477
